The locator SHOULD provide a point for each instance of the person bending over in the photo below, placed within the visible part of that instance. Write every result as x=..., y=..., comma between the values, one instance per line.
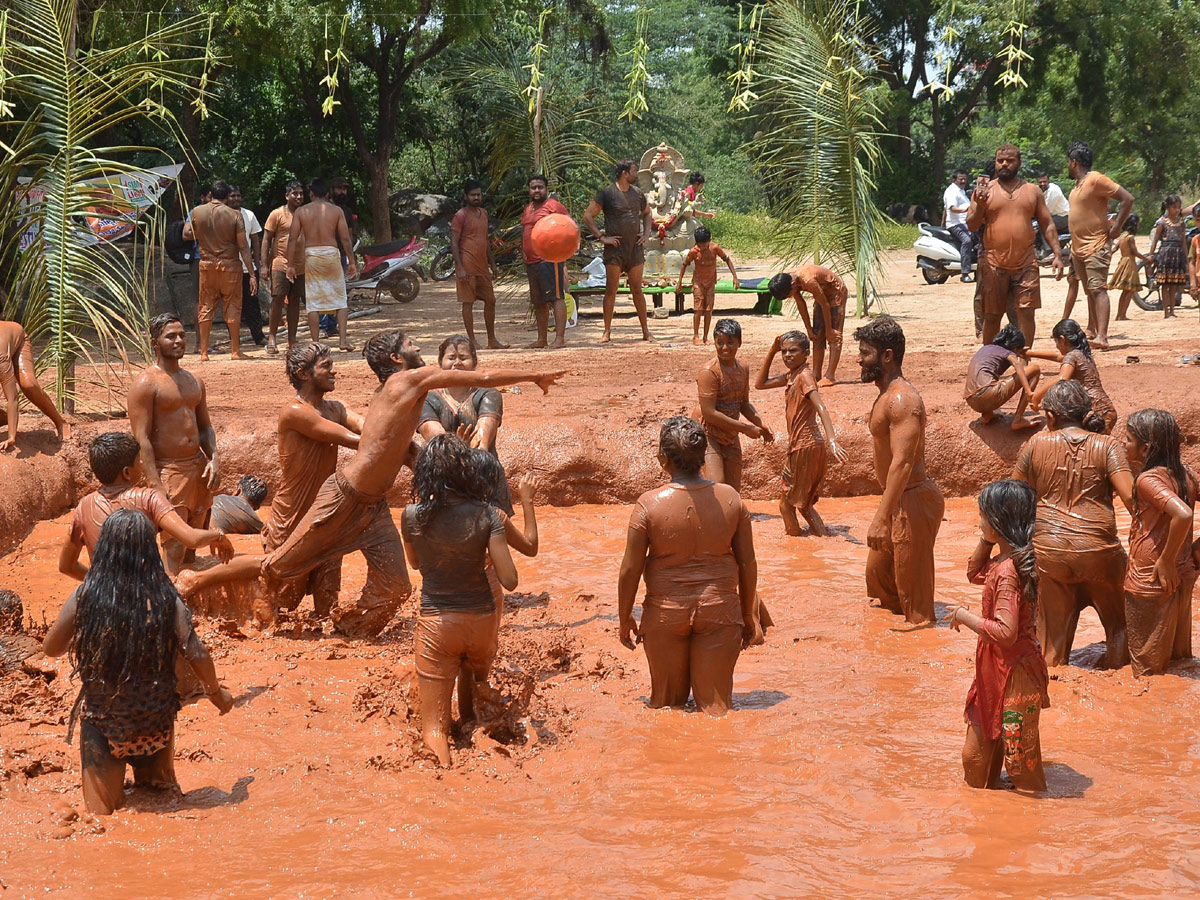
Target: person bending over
x=988, y=388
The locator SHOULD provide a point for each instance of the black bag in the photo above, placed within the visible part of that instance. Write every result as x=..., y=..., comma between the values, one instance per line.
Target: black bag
x=180, y=250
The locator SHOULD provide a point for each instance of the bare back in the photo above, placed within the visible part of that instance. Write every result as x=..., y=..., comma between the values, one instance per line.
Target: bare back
x=12, y=338
x=386, y=435
x=898, y=429
x=320, y=223
x=168, y=405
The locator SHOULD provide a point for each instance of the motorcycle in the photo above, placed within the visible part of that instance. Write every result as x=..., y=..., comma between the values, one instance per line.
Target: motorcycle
x=1149, y=298
x=393, y=268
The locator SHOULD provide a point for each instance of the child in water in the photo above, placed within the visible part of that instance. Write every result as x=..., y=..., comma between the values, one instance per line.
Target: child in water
x=807, y=449
x=1009, y=690
x=704, y=281
x=1125, y=276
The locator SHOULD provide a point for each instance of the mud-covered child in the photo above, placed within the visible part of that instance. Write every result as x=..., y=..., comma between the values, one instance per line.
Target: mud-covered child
x=704, y=279
x=988, y=387
x=808, y=448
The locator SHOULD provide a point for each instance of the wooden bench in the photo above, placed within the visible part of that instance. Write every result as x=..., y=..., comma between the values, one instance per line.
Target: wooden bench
x=756, y=286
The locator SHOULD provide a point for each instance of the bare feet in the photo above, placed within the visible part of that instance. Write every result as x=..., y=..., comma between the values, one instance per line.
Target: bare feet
x=987, y=418
x=1100, y=344
x=203, y=357
x=605, y=338
x=495, y=344
x=826, y=382
x=696, y=342
x=272, y=350
x=647, y=336
x=64, y=431
x=185, y=582
x=239, y=355
x=348, y=348
x=558, y=345
x=537, y=345
x=1021, y=423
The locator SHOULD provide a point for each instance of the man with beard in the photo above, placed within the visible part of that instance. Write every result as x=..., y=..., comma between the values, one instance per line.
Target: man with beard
x=902, y=533
x=547, y=280
x=168, y=414
x=350, y=511
x=1007, y=205
x=274, y=264
x=474, y=266
x=220, y=231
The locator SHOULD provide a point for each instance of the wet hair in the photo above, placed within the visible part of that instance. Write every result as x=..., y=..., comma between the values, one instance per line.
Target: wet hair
x=110, y=453
x=472, y=184
x=254, y=489
x=703, y=234
x=696, y=178
x=1080, y=153
x=538, y=177
x=623, y=166
x=221, y=190
x=1171, y=200
x=1009, y=147
x=1070, y=404
x=159, y=323
x=302, y=359
x=682, y=441
x=490, y=471
x=1069, y=330
x=318, y=188
x=883, y=333
x=1134, y=220
x=731, y=328
x=457, y=340
x=1010, y=507
x=12, y=611
x=780, y=285
x=1010, y=338
x=379, y=350
x=797, y=337
x=292, y=185
x=125, y=609
x=446, y=468
x=1158, y=432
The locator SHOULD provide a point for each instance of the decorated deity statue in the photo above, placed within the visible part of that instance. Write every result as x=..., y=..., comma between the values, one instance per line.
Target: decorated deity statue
x=663, y=178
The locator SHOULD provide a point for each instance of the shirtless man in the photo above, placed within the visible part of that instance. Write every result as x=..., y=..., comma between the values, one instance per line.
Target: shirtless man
x=1007, y=205
x=475, y=271
x=350, y=511
x=829, y=299
x=16, y=371
x=274, y=267
x=904, y=529
x=311, y=429
x=628, y=223
x=168, y=414
x=319, y=231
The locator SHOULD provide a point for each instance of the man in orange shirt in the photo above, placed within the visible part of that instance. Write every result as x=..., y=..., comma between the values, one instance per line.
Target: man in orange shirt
x=1092, y=234
x=546, y=286
x=474, y=266
x=220, y=231
x=1007, y=205
x=274, y=266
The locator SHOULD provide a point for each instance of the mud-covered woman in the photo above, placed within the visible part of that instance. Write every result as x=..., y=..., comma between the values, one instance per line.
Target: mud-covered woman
x=691, y=541
x=450, y=534
x=124, y=627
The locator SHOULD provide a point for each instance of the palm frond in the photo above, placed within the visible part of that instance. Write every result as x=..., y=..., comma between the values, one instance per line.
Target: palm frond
x=818, y=147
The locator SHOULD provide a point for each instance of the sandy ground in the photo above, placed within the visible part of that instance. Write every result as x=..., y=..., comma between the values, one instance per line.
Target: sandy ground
x=837, y=775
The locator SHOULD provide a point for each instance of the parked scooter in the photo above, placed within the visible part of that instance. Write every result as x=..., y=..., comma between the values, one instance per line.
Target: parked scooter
x=937, y=253
x=392, y=268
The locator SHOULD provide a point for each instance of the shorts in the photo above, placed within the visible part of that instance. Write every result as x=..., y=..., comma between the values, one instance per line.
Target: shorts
x=1024, y=284
x=804, y=473
x=445, y=642
x=627, y=255
x=186, y=487
x=220, y=284
x=282, y=289
x=542, y=285
x=838, y=315
x=726, y=452
x=471, y=288
x=1092, y=271
x=992, y=396
x=704, y=296
x=104, y=771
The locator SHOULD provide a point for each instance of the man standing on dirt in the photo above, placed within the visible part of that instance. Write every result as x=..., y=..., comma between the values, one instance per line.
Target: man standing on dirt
x=474, y=266
x=1007, y=205
x=957, y=203
x=168, y=414
x=319, y=232
x=274, y=265
x=628, y=224
x=547, y=280
x=350, y=510
x=1092, y=234
x=220, y=230
x=902, y=533
x=251, y=311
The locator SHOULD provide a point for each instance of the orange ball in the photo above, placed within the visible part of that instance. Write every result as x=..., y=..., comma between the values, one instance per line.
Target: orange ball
x=555, y=238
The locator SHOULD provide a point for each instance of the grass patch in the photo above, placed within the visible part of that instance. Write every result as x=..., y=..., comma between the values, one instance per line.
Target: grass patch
x=750, y=235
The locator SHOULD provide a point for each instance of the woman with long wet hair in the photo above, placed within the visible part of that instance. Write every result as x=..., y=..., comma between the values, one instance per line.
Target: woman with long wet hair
x=125, y=626
x=1073, y=353
x=1161, y=573
x=450, y=534
x=1010, y=687
x=692, y=542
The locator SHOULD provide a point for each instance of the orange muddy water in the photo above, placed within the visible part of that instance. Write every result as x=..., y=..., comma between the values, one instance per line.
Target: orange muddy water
x=838, y=775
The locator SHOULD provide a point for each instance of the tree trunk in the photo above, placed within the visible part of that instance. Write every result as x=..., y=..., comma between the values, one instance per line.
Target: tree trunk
x=381, y=211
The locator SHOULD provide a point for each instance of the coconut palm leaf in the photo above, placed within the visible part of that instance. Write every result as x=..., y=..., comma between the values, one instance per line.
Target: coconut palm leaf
x=80, y=298
x=818, y=148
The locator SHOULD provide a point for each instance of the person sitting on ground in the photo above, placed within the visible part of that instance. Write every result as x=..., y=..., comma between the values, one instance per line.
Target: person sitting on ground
x=237, y=513
x=125, y=626
x=1075, y=472
x=829, y=312
x=807, y=456
x=1161, y=573
x=724, y=388
x=1010, y=687
x=988, y=388
x=16, y=372
x=691, y=540
x=116, y=460
x=704, y=281
x=1074, y=354
x=1125, y=277
x=450, y=534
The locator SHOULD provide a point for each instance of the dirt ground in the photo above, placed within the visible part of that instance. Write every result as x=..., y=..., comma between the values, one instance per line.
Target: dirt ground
x=837, y=775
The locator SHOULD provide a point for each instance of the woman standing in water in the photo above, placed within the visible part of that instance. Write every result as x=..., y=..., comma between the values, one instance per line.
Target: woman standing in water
x=450, y=533
x=125, y=626
x=1076, y=363
x=1009, y=690
x=691, y=539
x=1161, y=574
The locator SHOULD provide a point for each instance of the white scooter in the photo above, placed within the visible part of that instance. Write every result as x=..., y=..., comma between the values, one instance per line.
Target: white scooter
x=937, y=254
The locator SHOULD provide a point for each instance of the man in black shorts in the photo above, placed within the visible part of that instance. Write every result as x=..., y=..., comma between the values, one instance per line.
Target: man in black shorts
x=547, y=280
x=627, y=226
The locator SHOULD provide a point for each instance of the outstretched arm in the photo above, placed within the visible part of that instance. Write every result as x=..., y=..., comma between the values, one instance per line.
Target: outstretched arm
x=429, y=378
x=195, y=538
x=305, y=420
